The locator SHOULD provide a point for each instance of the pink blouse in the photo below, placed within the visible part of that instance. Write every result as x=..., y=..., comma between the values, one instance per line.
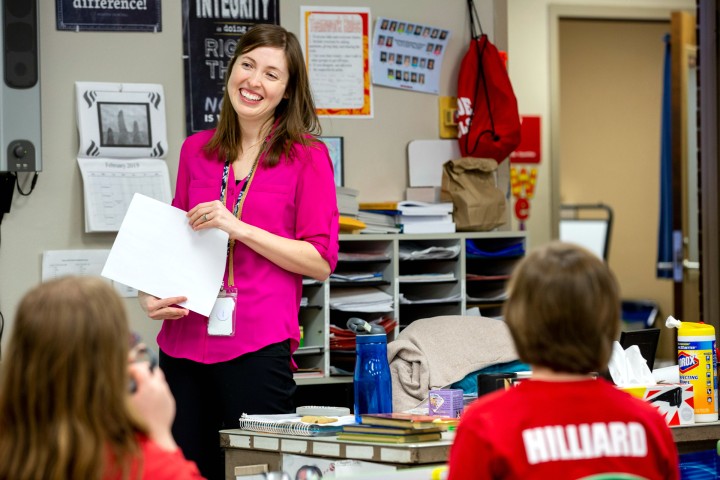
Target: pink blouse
x=295, y=199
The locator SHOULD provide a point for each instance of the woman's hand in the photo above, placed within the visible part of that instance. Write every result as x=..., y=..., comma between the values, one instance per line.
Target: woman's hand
x=162, y=308
x=154, y=402
x=212, y=215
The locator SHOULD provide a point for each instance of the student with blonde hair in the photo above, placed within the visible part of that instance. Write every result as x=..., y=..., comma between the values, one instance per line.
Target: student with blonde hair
x=66, y=410
x=563, y=313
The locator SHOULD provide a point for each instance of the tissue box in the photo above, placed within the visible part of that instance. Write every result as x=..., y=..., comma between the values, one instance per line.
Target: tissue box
x=445, y=402
x=673, y=400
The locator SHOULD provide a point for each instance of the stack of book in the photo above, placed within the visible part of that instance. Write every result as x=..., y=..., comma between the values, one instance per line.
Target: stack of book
x=380, y=217
x=378, y=222
x=424, y=217
x=413, y=216
x=397, y=428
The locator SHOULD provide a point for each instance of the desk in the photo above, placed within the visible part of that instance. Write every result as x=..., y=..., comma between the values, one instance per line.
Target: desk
x=696, y=438
x=243, y=447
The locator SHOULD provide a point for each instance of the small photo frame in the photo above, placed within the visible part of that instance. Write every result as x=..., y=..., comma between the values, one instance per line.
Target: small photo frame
x=121, y=120
x=335, y=148
x=124, y=124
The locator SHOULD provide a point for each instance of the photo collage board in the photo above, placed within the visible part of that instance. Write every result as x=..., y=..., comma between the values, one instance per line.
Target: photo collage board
x=407, y=55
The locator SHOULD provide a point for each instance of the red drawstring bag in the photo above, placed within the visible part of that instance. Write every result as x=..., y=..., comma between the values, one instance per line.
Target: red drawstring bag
x=488, y=118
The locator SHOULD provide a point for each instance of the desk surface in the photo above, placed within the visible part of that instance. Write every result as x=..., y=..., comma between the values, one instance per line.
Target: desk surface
x=243, y=447
x=697, y=437
x=329, y=446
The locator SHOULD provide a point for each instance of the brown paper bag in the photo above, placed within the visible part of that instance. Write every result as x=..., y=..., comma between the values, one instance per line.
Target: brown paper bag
x=478, y=205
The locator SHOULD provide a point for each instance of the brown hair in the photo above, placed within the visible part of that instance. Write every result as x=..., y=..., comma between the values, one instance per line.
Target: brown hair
x=64, y=410
x=295, y=115
x=564, y=309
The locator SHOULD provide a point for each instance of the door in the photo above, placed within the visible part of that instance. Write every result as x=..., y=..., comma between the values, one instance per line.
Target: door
x=685, y=173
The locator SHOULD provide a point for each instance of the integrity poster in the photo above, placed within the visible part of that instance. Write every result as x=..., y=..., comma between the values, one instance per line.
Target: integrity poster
x=210, y=33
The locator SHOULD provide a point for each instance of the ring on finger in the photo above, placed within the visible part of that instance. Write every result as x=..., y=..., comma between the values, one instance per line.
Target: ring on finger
x=205, y=217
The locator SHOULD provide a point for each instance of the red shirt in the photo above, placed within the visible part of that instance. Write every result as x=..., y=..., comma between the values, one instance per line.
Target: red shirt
x=562, y=430
x=159, y=464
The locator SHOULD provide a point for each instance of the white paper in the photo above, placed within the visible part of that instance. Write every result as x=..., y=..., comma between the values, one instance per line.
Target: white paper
x=109, y=186
x=360, y=300
x=156, y=251
x=59, y=263
x=426, y=159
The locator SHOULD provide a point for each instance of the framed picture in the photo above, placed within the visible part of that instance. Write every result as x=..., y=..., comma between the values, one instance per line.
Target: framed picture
x=335, y=148
x=121, y=120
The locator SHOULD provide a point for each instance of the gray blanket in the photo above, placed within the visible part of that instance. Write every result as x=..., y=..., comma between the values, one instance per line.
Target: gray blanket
x=435, y=352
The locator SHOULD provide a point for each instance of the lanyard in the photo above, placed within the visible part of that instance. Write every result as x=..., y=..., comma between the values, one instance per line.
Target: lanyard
x=237, y=210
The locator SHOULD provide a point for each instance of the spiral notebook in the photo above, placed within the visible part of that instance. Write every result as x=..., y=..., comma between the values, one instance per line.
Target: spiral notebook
x=291, y=424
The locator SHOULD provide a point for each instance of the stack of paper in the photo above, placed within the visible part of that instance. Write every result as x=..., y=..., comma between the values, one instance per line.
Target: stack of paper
x=360, y=300
x=356, y=276
x=347, y=200
x=415, y=251
x=424, y=217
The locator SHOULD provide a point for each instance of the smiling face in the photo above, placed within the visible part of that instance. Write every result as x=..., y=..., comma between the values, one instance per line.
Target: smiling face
x=257, y=83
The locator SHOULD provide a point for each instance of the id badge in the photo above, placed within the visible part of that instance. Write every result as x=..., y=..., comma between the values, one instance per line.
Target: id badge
x=222, y=317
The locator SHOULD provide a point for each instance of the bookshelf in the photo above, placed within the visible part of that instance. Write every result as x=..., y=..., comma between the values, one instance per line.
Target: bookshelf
x=422, y=275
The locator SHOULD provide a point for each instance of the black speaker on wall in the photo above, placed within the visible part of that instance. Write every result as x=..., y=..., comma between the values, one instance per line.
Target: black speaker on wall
x=20, y=150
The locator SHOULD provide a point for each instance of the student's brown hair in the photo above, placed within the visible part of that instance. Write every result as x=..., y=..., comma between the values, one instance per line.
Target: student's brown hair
x=64, y=384
x=563, y=309
x=295, y=115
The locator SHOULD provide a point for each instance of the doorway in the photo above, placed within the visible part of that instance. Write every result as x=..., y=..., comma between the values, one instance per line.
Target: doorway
x=608, y=124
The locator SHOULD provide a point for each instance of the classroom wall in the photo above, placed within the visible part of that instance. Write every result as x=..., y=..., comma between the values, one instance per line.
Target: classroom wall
x=52, y=217
x=375, y=153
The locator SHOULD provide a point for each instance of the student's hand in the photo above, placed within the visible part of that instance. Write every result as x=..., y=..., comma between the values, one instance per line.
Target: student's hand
x=162, y=308
x=154, y=402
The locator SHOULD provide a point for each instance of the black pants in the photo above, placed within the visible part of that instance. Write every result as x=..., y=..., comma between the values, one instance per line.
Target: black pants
x=211, y=397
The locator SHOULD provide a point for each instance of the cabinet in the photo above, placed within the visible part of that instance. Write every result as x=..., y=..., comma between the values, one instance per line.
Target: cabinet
x=406, y=277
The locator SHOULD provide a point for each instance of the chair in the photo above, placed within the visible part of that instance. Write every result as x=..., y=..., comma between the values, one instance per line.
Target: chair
x=588, y=225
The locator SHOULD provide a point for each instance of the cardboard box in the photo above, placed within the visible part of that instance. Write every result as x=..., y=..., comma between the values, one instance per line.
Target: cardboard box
x=445, y=402
x=675, y=401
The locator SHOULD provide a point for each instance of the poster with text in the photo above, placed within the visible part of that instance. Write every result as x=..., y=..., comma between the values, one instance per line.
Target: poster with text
x=210, y=33
x=336, y=44
x=408, y=55
x=107, y=15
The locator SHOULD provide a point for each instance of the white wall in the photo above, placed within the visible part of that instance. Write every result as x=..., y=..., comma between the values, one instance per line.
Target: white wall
x=52, y=217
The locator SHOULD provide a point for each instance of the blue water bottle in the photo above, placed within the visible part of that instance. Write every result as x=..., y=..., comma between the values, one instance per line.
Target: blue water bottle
x=372, y=381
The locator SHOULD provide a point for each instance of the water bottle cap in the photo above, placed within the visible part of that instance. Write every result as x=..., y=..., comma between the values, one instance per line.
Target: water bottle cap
x=371, y=338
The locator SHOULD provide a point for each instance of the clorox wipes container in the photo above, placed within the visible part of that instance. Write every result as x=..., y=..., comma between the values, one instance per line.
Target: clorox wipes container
x=696, y=362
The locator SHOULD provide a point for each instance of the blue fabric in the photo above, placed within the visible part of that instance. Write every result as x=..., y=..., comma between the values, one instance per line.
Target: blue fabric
x=501, y=249
x=469, y=383
x=665, y=241
x=699, y=465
